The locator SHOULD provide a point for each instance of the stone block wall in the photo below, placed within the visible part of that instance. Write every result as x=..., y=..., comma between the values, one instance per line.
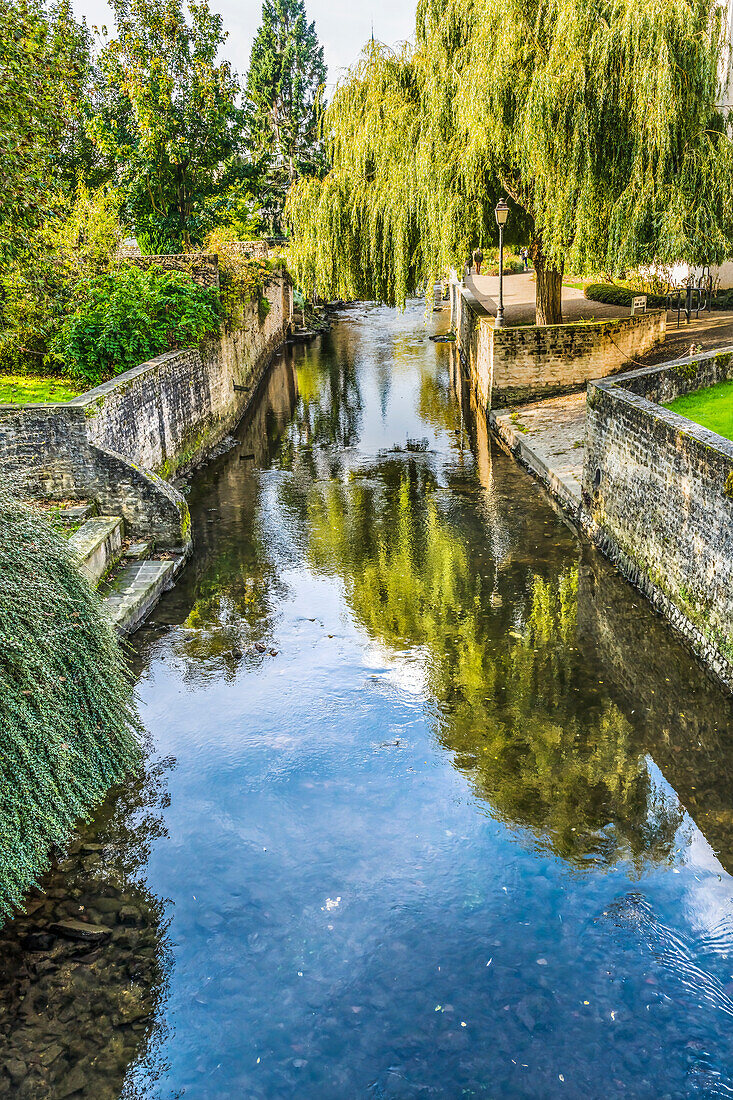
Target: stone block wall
x=46, y=452
x=513, y=365
x=119, y=442
x=533, y=361
x=658, y=500
x=203, y=267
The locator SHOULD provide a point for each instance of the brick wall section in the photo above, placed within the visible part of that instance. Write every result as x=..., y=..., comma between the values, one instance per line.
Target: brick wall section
x=203, y=267
x=533, y=362
x=117, y=442
x=508, y=366
x=658, y=500
x=46, y=451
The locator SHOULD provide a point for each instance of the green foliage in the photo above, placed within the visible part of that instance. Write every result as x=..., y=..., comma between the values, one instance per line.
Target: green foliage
x=34, y=297
x=44, y=63
x=242, y=277
x=170, y=118
x=614, y=295
x=67, y=718
x=723, y=300
x=596, y=118
x=130, y=315
x=285, y=84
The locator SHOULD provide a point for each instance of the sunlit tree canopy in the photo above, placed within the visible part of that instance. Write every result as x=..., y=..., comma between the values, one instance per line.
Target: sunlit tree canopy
x=597, y=118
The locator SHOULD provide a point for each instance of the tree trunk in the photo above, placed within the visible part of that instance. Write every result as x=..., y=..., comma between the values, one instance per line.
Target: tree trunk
x=549, y=287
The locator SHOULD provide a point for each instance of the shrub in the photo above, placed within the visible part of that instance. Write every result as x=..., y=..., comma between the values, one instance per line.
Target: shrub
x=242, y=278
x=35, y=297
x=614, y=295
x=129, y=315
x=68, y=728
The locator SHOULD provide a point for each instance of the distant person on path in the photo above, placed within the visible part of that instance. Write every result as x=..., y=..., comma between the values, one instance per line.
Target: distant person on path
x=525, y=258
x=478, y=259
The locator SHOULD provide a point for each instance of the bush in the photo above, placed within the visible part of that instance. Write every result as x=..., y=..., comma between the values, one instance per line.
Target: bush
x=613, y=295
x=242, y=278
x=35, y=297
x=723, y=300
x=129, y=315
x=67, y=716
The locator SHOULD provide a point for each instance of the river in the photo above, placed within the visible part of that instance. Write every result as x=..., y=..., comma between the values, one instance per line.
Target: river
x=434, y=805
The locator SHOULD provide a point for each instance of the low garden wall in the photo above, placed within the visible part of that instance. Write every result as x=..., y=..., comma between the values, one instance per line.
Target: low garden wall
x=658, y=499
x=203, y=267
x=512, y=365
x=119, y=442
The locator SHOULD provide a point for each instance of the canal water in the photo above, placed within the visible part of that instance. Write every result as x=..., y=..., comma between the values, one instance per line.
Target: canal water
x=434, y=806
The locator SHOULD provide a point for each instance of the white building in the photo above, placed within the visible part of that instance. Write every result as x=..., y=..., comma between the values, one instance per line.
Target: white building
x=722, y=275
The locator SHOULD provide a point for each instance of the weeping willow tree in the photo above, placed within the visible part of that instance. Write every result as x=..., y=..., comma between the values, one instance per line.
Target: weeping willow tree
x=67, y=719
x=597, y=118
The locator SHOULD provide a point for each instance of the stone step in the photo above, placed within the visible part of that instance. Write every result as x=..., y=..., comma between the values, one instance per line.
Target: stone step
x=136, y=588
x=98, y=545
x=72, y=514
x=136, y=551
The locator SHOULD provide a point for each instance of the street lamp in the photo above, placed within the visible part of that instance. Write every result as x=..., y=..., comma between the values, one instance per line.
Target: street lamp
x=501, y=213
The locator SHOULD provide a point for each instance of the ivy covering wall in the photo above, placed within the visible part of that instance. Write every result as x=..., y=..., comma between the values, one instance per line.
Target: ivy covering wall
x=68, y=724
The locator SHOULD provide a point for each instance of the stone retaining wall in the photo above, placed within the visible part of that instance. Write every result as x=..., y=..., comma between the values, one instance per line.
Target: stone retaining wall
x=119, y=442
x=511, y=365
x=203, y=267
x=658, y=499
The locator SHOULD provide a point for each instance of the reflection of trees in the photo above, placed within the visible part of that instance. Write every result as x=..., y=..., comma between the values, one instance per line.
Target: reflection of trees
x=329, y=412
x=227, y=597
x=76, y=1018
x=510, y=697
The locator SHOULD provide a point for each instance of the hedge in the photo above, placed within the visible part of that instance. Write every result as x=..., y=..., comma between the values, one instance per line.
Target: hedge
x=613, y=295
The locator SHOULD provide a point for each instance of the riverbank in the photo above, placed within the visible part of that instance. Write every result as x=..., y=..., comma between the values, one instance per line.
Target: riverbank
x=648, y=486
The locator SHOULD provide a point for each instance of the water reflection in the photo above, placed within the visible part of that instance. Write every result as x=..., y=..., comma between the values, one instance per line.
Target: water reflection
x=81, y=1018
x=451, y=812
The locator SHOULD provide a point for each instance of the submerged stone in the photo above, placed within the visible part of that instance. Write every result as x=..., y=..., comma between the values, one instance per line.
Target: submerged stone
x=72, y=929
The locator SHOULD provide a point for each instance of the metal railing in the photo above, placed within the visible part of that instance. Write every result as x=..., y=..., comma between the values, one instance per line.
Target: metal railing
x=692, y=296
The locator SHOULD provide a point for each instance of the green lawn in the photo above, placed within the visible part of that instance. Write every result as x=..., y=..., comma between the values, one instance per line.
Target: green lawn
x=19, y=389
x=712, y=408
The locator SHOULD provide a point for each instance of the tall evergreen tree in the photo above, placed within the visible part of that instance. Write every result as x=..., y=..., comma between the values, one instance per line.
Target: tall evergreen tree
x=284, y=87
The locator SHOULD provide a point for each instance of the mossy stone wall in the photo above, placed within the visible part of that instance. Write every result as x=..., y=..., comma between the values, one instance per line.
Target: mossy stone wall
x=656, y=499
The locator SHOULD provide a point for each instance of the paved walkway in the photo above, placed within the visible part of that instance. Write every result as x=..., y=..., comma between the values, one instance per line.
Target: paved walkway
x=549, y=437
x=519, y=300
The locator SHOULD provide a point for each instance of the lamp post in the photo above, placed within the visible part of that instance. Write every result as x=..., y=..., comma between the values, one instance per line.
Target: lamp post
x=501, y=213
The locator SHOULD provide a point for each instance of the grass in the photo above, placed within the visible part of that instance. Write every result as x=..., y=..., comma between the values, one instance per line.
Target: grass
x=712, y=408
x=22, y=389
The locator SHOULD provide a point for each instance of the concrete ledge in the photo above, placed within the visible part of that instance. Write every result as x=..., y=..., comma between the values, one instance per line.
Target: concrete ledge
x=559, y=479
x=97, y=545
x=136, y=589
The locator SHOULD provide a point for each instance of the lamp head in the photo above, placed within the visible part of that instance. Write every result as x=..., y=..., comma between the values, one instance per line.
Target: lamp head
x=501, y=212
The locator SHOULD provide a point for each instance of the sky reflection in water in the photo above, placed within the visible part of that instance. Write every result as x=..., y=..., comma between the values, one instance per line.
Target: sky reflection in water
x=464, y=827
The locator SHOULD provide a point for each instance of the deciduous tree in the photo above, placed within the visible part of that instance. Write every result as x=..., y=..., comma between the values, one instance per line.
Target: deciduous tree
x=172, y=119
x=597, y=118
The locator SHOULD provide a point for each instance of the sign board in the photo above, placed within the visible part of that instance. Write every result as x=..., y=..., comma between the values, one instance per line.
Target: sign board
x=638, y=305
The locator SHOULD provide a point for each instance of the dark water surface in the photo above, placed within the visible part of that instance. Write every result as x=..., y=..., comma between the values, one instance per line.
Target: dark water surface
x=434, y=807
